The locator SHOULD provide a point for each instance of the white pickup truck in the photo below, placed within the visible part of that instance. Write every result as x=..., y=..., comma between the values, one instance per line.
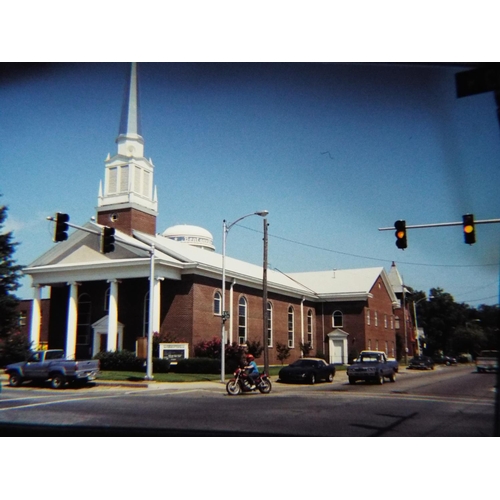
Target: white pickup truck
x=487, y=361
x=51, y=365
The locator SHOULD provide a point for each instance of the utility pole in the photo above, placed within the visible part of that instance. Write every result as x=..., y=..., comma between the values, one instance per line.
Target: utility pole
x=264, y=302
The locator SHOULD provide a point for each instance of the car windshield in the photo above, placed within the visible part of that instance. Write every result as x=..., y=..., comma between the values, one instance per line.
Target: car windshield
x=369, y=358
x=304, y=363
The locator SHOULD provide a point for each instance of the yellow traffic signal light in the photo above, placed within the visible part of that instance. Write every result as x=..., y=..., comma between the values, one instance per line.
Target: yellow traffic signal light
x=61, y=229
x=108, y=239
x=400, y=226
x=469, y=229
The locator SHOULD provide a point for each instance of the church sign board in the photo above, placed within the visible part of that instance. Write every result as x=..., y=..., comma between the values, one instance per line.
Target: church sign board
x=174, y=351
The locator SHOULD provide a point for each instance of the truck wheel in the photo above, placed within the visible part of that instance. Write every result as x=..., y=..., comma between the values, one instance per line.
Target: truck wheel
x=392, y=378
x=57, y=381
x=352, y=380
x=15, y=380
x=312, y=379
x=380, y=379
x=330, y=377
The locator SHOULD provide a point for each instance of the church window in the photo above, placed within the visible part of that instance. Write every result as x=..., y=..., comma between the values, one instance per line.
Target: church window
x=106, y=298
x=113, y=180
x=84, y=319
x=137, y=179
x=145, y=315
x=217, y=303
x=146, y=182
x=291, y=327
x=310, y=327
x=124, y=178
x=242, y=320
x=269, y=324
x=337, y=319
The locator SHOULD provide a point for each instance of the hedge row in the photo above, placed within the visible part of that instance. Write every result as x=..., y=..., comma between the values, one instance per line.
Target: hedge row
x=127, y=361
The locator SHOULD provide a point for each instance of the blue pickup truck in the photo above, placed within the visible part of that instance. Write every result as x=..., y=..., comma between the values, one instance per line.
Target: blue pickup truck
x=51, y=365
x=372, y=366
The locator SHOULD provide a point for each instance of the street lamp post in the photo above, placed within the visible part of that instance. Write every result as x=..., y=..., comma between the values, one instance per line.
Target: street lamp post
x=416, y=322
x=265, y=312
x=225, y=314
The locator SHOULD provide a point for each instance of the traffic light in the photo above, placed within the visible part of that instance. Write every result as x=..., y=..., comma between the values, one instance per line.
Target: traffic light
x=61, y=229
x=108, y=239
x=400, y=226
x=468, y=227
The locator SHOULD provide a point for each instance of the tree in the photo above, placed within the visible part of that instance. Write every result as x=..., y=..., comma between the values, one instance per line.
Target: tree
x=282, y=352
x=10, y=274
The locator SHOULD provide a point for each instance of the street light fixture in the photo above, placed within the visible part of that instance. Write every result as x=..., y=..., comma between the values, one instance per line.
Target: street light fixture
x=225, y=314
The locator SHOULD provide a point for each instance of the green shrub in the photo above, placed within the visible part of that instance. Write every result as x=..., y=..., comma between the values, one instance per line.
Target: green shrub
x=255, y=347
x=197, y=365
x=161, y=365
x=283, y=351
x=120, y=361
x=14, y=348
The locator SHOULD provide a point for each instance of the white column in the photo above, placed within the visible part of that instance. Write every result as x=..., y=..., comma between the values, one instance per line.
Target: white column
x=72, y=321
x=156, y=314
x=231, y=320
x=112, y=316
x=36, y=317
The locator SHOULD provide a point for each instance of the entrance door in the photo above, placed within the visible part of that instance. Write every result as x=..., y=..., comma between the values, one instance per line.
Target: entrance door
x=103, y=342
x=338, y=351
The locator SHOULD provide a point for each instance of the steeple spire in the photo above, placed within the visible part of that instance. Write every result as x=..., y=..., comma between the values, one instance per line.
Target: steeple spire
x=130, y=123
x=128, y=178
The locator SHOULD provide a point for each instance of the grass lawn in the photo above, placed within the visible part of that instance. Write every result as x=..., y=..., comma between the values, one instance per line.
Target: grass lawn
x=177, y=377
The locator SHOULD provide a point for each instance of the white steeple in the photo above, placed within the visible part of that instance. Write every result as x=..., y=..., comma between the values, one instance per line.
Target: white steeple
x=128, y=177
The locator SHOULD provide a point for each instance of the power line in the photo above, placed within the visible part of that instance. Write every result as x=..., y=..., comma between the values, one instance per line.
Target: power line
x=366, y=257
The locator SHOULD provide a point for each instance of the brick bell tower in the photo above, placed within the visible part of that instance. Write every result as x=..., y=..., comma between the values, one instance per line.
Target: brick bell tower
x=129, y=198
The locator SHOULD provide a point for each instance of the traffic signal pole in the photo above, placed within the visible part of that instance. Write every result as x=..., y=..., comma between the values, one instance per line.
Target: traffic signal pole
x=151, y=249
x=442, y=224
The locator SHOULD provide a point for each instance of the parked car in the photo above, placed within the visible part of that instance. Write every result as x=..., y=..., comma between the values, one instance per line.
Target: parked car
x=309, y=370
x=421, y=363
x=445, y=360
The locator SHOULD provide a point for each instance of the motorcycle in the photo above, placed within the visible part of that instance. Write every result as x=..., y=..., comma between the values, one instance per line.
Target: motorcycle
x=242, y=383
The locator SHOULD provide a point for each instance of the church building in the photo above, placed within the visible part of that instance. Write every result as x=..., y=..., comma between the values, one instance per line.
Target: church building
x=170, y=281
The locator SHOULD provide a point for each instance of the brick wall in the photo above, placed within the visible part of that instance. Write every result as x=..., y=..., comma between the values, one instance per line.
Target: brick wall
x=128, y=219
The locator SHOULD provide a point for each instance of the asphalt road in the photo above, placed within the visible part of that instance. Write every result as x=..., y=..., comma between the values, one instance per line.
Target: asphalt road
x=449, y=401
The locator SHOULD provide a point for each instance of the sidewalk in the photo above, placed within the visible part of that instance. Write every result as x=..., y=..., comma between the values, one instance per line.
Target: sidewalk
x=340, y=377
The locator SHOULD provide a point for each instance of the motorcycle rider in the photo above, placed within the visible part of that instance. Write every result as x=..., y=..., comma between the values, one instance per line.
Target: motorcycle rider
x=251, y=369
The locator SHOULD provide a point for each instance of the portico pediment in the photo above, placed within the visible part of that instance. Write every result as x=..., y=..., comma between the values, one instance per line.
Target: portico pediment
x=103, y=323
x=338, y=333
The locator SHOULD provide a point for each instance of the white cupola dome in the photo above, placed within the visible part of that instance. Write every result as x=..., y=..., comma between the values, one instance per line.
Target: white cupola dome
x=192, y=235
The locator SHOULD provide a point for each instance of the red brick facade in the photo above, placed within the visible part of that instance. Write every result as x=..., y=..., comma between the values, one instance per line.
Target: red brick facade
x=127, y=219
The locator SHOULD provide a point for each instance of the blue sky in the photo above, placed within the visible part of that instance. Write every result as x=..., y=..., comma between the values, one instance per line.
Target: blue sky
x=333, y=151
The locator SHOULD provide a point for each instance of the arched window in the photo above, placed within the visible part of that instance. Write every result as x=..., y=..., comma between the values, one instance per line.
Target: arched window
x=106, y=298
x=337, y=319
x=291, y=326
x=84, y=319
x=310, y=327
x=217, y=303
x=269, y=324
x=242, y=320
